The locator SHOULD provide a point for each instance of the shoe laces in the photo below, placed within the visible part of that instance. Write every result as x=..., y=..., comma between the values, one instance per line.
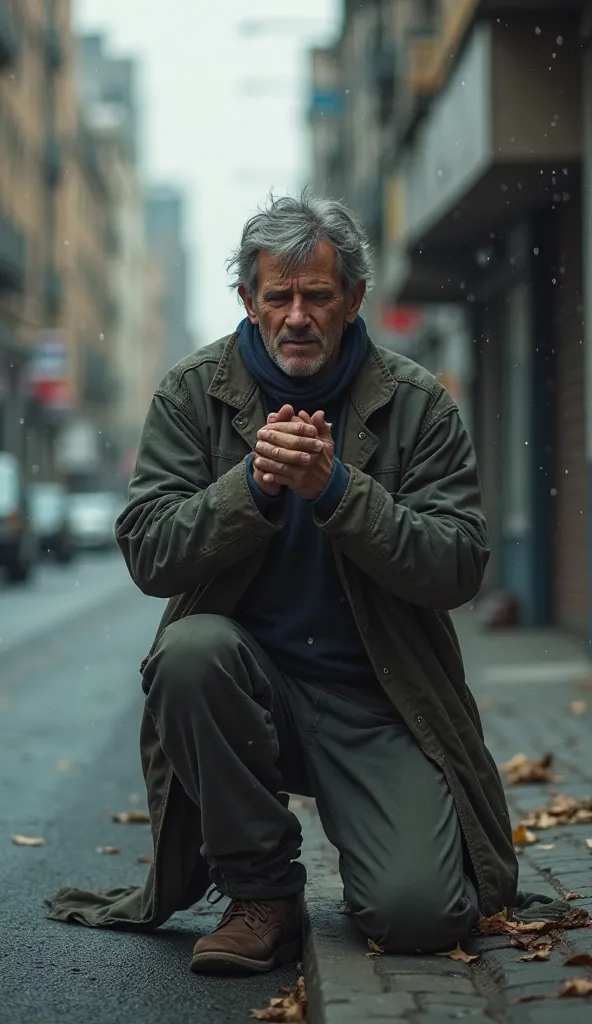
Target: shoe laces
x=252, y=911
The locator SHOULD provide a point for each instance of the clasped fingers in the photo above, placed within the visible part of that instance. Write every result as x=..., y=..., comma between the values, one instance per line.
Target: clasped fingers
x=282, y=456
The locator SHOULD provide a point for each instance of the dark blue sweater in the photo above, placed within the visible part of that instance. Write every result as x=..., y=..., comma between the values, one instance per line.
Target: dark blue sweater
x=296, y=607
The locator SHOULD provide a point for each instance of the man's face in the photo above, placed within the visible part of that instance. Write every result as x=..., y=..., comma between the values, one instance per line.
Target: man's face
x=302, y=317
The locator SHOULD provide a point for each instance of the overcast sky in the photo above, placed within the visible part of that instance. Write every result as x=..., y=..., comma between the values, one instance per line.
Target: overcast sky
x=202, y=127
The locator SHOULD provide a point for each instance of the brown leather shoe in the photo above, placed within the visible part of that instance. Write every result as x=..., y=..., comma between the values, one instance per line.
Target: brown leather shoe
x=253, y=936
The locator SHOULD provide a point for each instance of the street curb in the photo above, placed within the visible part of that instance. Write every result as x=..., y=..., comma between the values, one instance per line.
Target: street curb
x=320, y=891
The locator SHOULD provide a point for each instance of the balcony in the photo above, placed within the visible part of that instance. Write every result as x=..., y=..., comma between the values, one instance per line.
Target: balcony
x=10, y=36
x=420, y=77
x=54, y=161
x=54, y=47
x=13, y=257
x=53, y=290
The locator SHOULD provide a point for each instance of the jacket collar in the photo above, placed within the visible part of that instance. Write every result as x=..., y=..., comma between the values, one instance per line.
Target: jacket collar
x=374, y=387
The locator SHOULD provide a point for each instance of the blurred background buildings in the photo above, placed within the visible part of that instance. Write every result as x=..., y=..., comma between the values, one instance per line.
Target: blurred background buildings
x=92, y=299
x=461, y=133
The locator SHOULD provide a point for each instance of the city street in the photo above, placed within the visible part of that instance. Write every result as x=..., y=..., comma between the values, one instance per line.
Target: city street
x=70, y=704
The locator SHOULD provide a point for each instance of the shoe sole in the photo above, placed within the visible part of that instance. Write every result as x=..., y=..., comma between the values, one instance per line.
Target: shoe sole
x=232, y=963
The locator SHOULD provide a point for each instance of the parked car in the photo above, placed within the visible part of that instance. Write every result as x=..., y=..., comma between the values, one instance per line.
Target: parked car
x=18, y=544
x=50, y=516
x=92, y=519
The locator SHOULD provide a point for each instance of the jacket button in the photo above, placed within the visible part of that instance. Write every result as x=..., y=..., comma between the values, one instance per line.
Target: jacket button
x=362, y=435
x=419, y=720
x=240, y=423
x=385, y=671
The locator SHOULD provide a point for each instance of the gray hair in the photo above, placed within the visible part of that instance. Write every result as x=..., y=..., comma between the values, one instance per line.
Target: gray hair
x=291, y=229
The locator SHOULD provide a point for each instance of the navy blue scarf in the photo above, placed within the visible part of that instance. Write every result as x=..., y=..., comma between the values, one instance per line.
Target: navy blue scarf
x=308, y=393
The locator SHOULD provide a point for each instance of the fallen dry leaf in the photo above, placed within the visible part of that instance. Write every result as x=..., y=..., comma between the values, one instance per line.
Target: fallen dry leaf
x=578, y=707
x=28, y=840
x=541, y=952
x=460, y=955
x=528, y=999
x=145, y=858
x=290, y=1007
x=574, y=896
x=374, y=948
x=575, y=988
x=522, y=837
x=522, y=769
x=547, y=846
x=560, y=810
x=579, y=960
x=108, y=849
x=132, y=818
x=64, y=766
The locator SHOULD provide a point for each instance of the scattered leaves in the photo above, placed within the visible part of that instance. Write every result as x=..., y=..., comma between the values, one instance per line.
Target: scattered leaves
x=527, y=998
x=560, y=810
x=574, y=896
x=108, y=850
x=589, y=843
x=522, y=837
x=547, y=846
x=28, y=840
x=501, y=924
x=578, y=707
x=579, y=960
x=522, y=769
x=460, y=955
x=132, y=817
x=375, y=949
x=575, y=988
x=290, y=1007
x=65, y=766
x=145, y=858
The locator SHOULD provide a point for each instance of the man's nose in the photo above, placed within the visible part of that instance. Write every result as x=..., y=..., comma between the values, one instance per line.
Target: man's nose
x=297, y=317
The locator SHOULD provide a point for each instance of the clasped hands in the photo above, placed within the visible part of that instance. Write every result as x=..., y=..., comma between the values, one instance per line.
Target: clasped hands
x=294, y=451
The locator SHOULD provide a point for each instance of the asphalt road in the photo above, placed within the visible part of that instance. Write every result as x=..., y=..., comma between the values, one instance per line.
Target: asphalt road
x=70, y=704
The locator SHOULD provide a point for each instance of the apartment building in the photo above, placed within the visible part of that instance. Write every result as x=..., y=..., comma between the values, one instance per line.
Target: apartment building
x=476, y=144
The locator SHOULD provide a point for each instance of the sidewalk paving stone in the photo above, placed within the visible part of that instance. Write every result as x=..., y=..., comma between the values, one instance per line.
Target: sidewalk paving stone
x=347, y=985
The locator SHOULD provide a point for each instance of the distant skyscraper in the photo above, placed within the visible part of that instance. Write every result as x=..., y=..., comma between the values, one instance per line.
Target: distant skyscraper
x=108, y=84
x=165, y=217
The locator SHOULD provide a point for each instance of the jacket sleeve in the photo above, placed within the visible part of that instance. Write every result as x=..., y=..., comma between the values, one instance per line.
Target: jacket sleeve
x=427, y=544
x=179, y=528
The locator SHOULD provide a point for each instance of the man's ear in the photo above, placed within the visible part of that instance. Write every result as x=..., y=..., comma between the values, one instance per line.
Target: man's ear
x=248, y=304
x=354, y=301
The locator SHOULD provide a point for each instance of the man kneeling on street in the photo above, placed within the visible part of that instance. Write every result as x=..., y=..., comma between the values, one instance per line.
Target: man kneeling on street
x=310, y=504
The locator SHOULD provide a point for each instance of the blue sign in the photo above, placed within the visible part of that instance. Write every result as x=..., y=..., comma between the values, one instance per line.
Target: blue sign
x=326, y=104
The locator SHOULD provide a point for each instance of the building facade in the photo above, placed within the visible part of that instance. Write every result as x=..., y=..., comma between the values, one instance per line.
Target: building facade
x=36, y=119
x=480, y=156
x=165, y=218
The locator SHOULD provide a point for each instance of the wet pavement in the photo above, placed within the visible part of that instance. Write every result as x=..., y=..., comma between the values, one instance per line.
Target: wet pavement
x=70, y=705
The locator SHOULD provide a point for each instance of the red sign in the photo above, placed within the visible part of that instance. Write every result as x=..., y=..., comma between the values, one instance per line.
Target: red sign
x=402, y=319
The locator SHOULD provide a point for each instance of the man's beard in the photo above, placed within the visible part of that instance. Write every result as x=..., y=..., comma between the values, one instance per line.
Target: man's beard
x=306, y=366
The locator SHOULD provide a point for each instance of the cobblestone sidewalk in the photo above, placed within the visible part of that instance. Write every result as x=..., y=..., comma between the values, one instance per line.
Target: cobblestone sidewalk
x=346, y=986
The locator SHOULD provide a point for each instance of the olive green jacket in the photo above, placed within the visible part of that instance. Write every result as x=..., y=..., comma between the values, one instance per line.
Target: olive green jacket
x=410, y=542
